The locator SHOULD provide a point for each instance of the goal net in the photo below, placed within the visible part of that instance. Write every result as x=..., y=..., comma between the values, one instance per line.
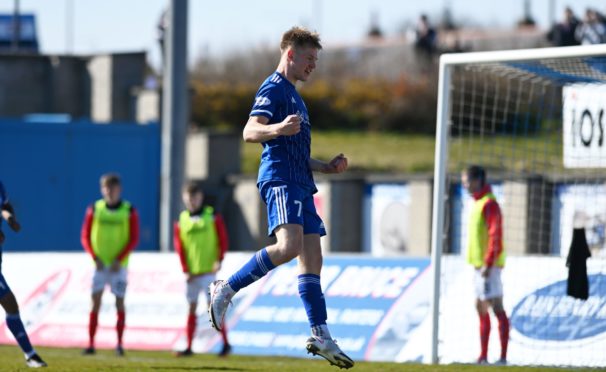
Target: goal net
x=535, y=120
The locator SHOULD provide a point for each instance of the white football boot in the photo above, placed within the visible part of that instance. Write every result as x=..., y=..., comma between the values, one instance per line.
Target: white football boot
x=220, y=299
x=328, y=349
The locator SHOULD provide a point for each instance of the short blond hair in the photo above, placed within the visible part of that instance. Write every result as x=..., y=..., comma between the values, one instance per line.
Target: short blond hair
x=298, y=37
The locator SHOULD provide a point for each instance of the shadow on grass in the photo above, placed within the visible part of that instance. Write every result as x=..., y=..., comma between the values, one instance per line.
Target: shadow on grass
x=201, y=368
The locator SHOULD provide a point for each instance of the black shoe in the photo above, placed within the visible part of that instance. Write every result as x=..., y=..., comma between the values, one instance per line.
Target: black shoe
x=35, y=362
x=119, y=350
x=89, y=351
x=184, y=353
x=225, y=351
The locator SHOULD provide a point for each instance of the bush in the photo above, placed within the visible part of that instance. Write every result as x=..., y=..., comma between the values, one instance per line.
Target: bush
x=356, y=104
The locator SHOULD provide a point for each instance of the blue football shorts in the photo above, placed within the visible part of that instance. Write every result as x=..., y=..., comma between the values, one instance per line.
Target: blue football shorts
x=288, y=203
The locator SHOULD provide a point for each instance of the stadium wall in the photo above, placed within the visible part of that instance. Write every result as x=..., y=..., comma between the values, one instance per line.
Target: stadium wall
x=378, y=308
x=51, y=172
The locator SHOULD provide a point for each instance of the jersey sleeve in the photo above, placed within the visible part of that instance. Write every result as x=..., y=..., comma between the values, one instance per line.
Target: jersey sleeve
x=267, y=101
x=222, y=235
x=85, y=232
x=179, y=247
x=494, y=223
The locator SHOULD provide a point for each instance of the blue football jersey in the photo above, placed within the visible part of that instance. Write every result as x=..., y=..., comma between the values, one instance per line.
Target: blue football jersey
x=3, y=199
x=284, y=158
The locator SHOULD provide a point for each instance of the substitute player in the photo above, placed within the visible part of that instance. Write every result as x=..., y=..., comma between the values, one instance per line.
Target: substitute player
x=280, y=122
x=201, y=241
x=109, y=234
x=485, y=252
x=7, y=298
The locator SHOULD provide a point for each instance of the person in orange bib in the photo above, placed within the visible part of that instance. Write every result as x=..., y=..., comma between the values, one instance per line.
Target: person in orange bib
x=110, y=232
x=200, y=239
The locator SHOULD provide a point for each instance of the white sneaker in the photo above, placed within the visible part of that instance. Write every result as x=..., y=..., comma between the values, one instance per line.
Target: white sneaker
x=329, y=350
x=220, y=297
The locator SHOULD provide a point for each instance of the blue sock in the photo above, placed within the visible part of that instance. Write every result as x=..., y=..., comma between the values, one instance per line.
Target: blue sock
x=311, y=294
x=253, y=270
x=14, y=323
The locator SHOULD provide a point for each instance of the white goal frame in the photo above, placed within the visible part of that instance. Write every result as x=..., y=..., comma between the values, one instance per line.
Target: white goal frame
x=447, y=61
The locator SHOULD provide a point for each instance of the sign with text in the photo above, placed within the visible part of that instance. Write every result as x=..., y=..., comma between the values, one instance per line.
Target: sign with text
x=373, y=305
x=583, y=125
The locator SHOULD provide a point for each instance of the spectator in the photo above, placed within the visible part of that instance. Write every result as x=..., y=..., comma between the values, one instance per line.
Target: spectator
x=593, y=30
x=563, y=33
x=425, y=35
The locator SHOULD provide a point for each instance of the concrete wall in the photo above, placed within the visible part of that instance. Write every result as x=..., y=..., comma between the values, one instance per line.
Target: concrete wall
x=515, y=216
x=90, y=87
x=100, y=71
x=24, y=85
x=421, y=192
x=147, y=105
x=342, y=214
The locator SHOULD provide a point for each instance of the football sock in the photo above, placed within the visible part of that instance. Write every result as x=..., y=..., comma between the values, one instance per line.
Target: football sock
x=93, y=318
x=14, y=323
x=120, y=323
x=503, y=332
x=224, y=335
x=253, y=270
x=484, y=334
x=310, y=292
x=191, y=329
x=321, y=331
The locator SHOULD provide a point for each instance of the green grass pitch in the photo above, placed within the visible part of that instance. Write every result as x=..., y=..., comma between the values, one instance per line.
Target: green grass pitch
x=11, y=359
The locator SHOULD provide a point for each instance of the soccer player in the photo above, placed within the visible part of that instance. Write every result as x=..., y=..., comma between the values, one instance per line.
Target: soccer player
x=7, y=298
x=485, y=252
x=109, y=234
x=201, y=241
x=280, y=122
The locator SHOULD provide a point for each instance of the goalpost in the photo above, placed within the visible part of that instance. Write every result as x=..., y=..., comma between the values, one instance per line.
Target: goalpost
x=535, y=119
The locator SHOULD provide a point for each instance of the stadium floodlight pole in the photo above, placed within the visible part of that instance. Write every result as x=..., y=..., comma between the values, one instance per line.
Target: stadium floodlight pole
x=439, y=194
x=175, y=114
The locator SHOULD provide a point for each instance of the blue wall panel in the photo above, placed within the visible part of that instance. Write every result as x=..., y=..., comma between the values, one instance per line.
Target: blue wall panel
x=51, y=172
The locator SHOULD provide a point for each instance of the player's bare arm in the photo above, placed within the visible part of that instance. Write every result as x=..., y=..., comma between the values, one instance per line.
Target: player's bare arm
x=337, y=165
x=8, y=213
x=257, y=130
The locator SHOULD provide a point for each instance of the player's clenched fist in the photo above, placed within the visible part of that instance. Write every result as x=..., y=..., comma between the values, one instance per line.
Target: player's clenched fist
x=337, y=165
x=290, y=126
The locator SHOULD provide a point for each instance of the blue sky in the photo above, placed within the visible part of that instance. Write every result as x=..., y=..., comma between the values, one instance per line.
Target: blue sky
x=218, y=27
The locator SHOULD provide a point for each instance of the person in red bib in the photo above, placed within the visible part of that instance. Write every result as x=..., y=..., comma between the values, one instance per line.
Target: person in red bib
x=109, y=234
x=200, y=239
x=485, y=253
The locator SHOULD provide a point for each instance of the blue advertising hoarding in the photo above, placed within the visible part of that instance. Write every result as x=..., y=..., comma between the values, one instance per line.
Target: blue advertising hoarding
x=362, y=297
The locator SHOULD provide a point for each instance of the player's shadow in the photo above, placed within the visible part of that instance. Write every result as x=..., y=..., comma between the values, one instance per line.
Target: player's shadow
x=201, y=368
